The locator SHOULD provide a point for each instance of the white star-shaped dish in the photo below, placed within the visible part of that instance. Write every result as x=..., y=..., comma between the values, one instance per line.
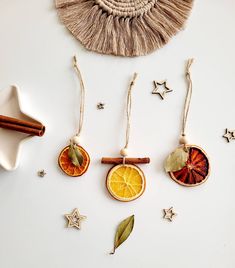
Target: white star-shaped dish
x=11, y=141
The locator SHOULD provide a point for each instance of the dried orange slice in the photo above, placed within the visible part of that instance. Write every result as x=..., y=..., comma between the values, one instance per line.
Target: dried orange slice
x=125, y=182
x=68, y=167
x=196, y=170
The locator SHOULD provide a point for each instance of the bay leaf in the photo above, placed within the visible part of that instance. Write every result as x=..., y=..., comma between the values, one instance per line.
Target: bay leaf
x=123, y=231
x=177, y=160
x=75, y=155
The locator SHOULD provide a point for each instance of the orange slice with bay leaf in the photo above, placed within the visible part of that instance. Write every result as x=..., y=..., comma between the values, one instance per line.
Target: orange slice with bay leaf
x=125, y=182
x=74, y=165
x=188, y=166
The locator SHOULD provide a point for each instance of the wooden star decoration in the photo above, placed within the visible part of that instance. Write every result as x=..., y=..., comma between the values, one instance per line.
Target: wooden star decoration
x=169, y=214
x=41, y=173
x=158, y=86
x=100, y=106
x=229, y=135
x=74, y=219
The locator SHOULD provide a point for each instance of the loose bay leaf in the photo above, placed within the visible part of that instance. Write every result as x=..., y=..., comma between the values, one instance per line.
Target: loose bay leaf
x=75, y=155
x=176, y=160
x=123, y=231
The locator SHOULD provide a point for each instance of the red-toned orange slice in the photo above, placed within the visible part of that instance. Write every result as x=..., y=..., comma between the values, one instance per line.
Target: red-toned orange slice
x=196, y=170
x=68, y=167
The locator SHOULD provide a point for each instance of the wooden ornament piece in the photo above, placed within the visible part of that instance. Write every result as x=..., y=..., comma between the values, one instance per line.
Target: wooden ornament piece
x=41, y=173
x=124, y=28
x=100, y=106
x=169, y=214
x=74, y=219
x=229, y=135
x=157, y=89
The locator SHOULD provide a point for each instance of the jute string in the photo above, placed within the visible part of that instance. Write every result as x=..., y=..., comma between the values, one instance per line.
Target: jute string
x=128, y=109
x=82, y=96
x=188, y=96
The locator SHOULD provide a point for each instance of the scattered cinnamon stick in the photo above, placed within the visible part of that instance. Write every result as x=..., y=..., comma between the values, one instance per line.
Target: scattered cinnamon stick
x=31, y=128
x=119, y=160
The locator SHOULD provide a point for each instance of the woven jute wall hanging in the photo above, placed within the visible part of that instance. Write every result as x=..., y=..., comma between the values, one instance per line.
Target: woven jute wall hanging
x=124, y=27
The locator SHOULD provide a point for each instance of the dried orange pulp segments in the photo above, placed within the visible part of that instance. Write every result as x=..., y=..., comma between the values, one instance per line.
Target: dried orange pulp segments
x=68, y=167
x=196, y=170
x=125, y=182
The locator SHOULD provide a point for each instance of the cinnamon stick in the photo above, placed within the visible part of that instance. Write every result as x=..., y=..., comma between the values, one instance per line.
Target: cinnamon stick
x=119, y=160
x=31, y=128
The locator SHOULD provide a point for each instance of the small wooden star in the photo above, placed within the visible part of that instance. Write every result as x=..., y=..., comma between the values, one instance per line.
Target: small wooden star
x=229, y=135
x=74, y=219
x=100, y=106
x=169, y=214
x=41, y=173
x=158, y=86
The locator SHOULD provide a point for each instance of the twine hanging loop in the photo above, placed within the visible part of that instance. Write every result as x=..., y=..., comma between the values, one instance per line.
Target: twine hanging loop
x=187, y=101
x=82, y=96
x=124, y=151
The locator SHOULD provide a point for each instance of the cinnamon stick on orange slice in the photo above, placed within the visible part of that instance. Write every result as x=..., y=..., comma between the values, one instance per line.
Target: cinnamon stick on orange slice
x=68, y=167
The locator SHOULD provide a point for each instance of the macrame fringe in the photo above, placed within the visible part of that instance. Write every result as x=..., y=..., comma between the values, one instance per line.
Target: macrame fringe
x=109, y=31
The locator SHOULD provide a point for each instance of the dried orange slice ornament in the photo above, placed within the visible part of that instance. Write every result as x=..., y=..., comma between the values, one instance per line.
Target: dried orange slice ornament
x=195, y=170
x=125, y=182
x=188, y=165
x=71, y=164
x=74, y=159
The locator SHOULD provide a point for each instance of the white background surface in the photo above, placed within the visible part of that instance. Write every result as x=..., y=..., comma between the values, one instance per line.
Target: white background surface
x=35, y=54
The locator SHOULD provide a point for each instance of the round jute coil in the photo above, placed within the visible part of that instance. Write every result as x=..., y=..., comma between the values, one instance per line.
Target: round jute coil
x=124, y=27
